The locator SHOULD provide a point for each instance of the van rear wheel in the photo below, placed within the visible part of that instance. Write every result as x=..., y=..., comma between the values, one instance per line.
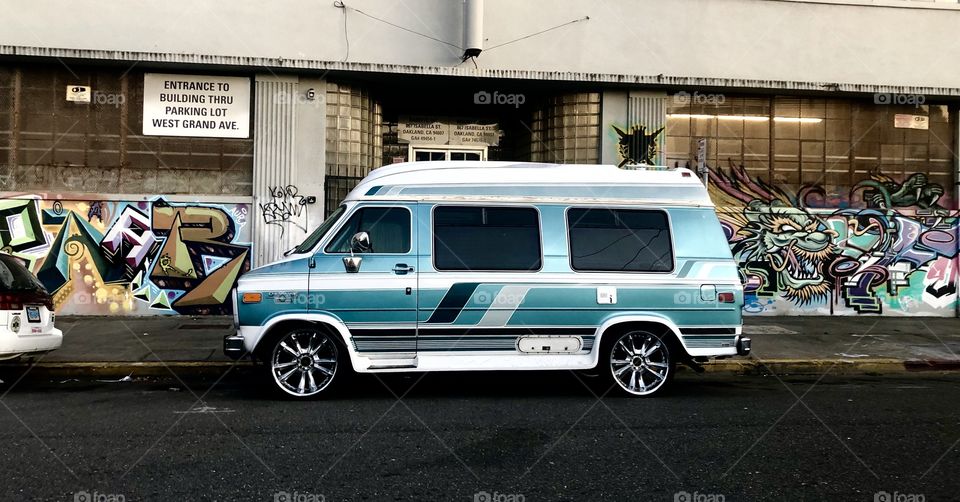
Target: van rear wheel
x=640, y=363
x=304, y=363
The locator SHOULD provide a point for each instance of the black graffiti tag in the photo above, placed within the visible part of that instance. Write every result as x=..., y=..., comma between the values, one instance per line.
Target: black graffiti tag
x=285, y=208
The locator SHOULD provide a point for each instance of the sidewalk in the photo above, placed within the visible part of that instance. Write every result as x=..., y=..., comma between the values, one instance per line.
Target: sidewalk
x=151, y=345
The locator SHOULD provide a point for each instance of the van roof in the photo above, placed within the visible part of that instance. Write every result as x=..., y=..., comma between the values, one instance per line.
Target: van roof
x=528, y=182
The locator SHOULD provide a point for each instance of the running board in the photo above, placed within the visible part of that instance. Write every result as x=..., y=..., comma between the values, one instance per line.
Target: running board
x=403, y=366
x=392, y=361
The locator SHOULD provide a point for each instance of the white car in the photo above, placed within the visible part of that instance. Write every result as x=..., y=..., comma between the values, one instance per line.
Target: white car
x=26, y=312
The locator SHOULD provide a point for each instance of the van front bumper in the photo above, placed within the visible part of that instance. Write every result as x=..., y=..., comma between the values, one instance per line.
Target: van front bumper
x=233, y=346
x=743, y=346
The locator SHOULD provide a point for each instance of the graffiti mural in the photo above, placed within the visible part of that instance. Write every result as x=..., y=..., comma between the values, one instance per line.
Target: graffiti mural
x=895, y=255
x=637, y=146
x=130, y=257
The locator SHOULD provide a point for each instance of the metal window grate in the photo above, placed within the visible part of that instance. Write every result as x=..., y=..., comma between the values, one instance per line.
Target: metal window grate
x=335, y=189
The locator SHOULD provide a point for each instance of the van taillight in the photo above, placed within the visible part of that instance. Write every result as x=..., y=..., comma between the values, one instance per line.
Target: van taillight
x=726, y=297
x=16, y=301
x=10, y=302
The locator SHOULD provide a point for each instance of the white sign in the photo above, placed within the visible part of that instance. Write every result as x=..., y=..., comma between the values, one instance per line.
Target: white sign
x=474, y=134
x=904, y=121
x=435, y=131
x=422, y=131
x=196, y=105
x=78, y=93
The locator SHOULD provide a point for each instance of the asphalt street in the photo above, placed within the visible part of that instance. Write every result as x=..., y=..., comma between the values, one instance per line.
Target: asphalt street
x=483, y=437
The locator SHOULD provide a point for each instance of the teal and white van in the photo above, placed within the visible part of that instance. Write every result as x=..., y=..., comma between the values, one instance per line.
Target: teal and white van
x=461, y=266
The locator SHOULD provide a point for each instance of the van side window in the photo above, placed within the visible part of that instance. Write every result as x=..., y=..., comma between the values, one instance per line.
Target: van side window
x=486, y=238
x=632, y=240
x=388, y=227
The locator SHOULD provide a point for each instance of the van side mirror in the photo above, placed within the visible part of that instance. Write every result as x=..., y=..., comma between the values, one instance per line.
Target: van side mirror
x=360, y=243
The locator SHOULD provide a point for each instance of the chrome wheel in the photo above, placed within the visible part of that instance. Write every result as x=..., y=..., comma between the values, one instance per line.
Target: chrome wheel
x=304, y=362
x=640, y=363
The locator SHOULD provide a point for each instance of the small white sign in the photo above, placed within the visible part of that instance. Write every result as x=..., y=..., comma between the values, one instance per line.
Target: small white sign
x=702, y=155
x=196, y=105
x=904, y=121
x=78, y=93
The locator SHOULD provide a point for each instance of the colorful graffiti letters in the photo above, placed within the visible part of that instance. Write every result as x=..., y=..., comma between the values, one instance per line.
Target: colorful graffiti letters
x=143, y=257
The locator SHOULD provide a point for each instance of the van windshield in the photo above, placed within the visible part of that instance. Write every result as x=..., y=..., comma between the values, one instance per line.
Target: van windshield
x=15, y=277
x=311, y=241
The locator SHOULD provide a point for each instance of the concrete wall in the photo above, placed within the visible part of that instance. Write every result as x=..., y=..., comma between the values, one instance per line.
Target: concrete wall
x=719, y=39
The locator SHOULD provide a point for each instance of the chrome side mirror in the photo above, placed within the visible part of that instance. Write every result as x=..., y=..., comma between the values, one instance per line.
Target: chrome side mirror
x=352, y=264
x=360, y=243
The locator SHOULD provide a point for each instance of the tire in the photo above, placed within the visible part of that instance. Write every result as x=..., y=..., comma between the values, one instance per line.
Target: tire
x=638, y=363
x=305, y=363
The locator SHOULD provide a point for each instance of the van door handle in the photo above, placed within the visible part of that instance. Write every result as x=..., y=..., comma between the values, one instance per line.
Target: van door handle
x=402, y=268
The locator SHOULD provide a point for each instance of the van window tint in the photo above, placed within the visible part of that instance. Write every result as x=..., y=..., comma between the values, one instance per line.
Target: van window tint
x=486, y=238
x=388, y=227
x=619, y=239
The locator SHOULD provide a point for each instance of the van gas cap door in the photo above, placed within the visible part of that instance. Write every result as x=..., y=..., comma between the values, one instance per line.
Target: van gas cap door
x=606, y=295
x=708, y=293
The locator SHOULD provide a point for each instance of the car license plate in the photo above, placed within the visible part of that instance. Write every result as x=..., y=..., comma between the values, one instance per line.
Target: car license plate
x=33, y=314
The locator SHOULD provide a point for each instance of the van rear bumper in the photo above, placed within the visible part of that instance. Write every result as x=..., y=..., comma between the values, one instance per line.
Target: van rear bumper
x=12, y=345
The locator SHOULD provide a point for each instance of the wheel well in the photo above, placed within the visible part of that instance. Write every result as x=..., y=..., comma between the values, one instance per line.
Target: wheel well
x=264, y=344
x=659, y=329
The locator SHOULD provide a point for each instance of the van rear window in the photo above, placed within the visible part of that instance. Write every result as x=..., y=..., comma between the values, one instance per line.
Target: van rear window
x=486, y=238
x=15, y=277
x=630, y=240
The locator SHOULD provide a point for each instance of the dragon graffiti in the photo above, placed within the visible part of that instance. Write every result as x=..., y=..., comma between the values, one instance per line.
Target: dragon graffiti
x=130, y=257
x=895, y=253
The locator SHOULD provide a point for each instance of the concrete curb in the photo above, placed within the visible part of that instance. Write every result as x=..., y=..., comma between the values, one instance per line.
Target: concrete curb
x=750, y=367
x=120, y=369
x=864, y=366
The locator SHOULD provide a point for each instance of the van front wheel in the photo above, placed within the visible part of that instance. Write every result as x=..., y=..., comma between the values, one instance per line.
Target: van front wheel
x=304, y=362
x=640, y=363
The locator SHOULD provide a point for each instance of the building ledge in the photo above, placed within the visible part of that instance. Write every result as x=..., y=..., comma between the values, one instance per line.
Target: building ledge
x=891, y=4
x=271, y=65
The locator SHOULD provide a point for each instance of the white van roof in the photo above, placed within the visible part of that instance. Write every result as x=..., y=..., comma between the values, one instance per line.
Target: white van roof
x=526, y=181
